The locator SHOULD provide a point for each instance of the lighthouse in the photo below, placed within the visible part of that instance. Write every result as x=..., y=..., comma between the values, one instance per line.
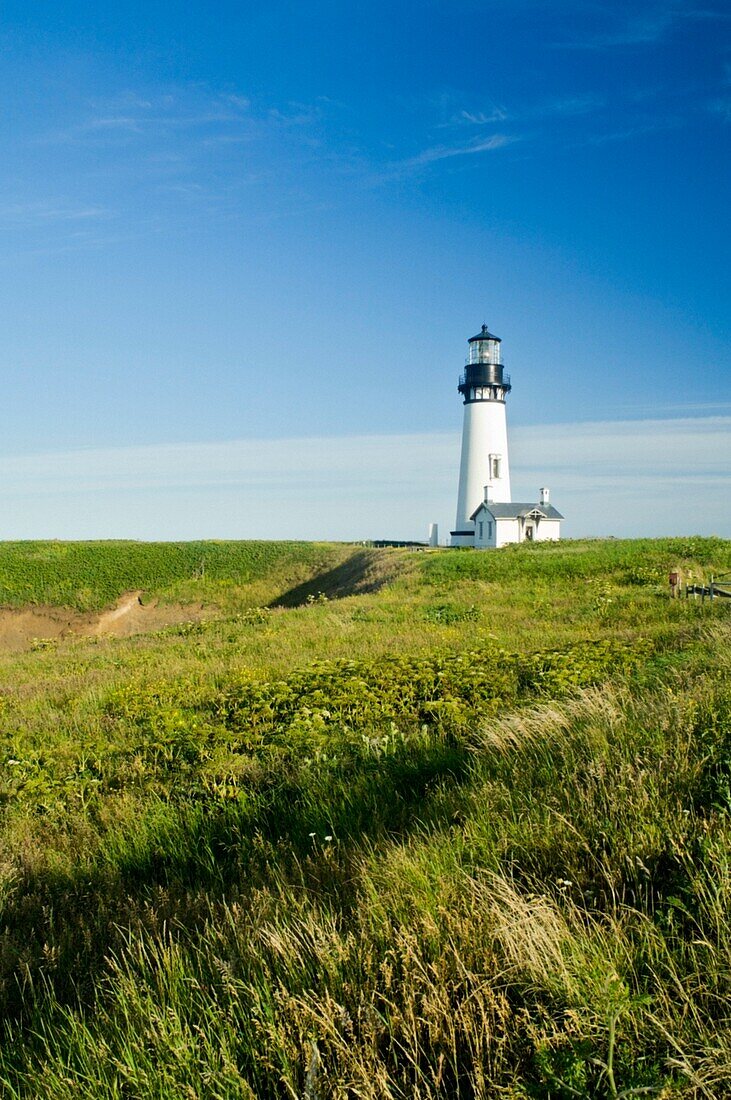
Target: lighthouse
x=487, y=517
x=484, y=468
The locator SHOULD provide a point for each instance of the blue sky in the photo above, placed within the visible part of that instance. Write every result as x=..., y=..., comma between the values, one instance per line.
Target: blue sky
x=241, y=222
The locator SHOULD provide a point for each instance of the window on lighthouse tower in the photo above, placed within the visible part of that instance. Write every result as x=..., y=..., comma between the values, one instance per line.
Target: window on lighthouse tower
x=494, y=466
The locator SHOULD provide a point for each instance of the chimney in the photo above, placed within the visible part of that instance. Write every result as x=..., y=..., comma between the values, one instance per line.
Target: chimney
x=545, y=494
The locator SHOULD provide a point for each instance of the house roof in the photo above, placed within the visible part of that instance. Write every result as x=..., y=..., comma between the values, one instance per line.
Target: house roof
x=517, y=511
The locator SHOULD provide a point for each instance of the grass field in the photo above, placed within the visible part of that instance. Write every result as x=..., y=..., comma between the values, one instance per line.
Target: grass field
x=87, y=576
x=463, y=833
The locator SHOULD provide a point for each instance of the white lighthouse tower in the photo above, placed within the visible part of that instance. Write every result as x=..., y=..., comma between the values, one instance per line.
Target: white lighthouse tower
x=484, y=472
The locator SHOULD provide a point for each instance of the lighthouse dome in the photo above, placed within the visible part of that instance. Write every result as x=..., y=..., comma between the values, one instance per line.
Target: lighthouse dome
x=484, y=335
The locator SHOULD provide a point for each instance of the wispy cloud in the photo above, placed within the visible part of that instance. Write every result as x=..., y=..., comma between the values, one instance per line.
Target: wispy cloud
x=45, y=213
x=242, y=102
x=435, y=153
x=568, y=106
x=622, y=477
x=681, y=449
x=641, y=28
x=187, y=108
x=151, y=123
x=590, y=118
x=627, y=133
x=189, y=141
x=483, y=118
x=550, y=107
x=722, y=107
x=131, y=114
x=687, y=407
x=295, y=114
x=586, y=118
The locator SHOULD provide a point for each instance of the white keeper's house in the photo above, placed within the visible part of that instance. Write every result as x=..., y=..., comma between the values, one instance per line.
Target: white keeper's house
x=498, y=524
x=486, y=515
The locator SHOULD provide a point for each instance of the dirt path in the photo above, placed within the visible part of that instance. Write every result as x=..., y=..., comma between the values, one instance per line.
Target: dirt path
x=33, y=627
x=127, y=604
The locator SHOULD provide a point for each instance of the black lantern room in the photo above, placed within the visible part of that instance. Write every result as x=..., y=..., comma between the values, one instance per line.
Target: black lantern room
x=484, y=378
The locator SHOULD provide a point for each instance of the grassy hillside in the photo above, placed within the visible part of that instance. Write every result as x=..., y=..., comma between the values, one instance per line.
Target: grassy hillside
x=465, y=835
x=88, y=576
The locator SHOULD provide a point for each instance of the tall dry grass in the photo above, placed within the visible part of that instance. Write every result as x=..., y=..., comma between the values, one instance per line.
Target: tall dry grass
x=559, y=926
x=531, y=904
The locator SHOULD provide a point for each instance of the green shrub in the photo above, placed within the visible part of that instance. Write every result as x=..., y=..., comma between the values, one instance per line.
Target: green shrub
x=448, y=613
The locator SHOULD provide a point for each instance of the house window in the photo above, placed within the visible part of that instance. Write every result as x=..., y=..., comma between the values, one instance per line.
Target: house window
x=489, y=528
x=480, y=525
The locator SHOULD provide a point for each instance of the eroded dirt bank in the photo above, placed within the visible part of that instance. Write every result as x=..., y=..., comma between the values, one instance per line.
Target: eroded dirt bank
x=26, y=627
x=357, y=572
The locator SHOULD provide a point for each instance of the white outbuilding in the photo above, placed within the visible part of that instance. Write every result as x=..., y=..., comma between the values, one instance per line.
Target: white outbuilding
x=497, y=524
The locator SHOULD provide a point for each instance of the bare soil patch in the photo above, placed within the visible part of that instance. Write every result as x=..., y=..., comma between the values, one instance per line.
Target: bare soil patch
x=23, y=628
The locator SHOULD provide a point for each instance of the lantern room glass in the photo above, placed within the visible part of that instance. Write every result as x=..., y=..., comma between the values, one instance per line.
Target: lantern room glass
x=485, y=351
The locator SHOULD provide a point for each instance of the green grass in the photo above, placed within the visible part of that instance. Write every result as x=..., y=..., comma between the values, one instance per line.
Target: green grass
x=634, y=562
x=88, y=576
x=464, y=836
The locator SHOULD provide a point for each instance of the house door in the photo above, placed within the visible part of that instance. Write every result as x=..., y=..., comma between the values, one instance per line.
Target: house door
x=529, y=532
